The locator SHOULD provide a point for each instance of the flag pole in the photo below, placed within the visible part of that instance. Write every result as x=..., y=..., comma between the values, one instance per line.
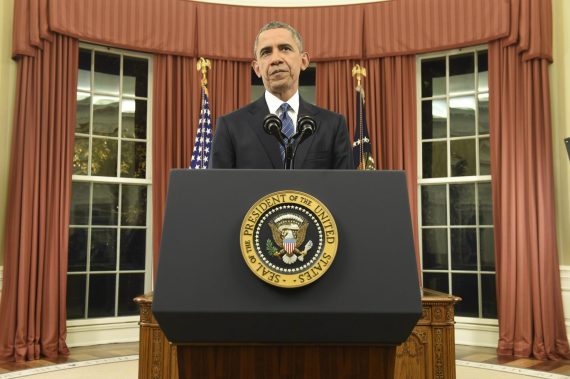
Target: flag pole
x=361, y=146
x=203, y=143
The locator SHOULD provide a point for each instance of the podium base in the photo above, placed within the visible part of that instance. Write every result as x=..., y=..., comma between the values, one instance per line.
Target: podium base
x=286, y=361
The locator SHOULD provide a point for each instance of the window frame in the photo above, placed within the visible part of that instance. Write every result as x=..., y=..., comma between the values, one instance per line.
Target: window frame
x=94, y=324
x=450, y=180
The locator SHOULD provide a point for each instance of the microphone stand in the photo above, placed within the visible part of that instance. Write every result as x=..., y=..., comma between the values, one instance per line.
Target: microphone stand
x=306, y=126
x=289, y=161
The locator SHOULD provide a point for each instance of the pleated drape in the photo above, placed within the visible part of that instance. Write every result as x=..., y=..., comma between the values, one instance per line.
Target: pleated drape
x=219, y=31
x=176, y=111
x=176, y=108
x=383, y=36
x=390, y=91
x=531, y=321
x=33, y=305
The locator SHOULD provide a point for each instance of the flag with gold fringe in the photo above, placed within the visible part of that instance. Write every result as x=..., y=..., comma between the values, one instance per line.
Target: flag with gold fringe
x=203, y=141
x=361, y=147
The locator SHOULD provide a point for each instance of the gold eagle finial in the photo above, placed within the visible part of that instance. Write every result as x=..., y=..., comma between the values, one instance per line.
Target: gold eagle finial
x=203, y=66
x=359, y=72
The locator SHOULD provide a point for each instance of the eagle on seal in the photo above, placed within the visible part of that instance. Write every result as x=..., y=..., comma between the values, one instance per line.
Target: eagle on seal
x=289, y=233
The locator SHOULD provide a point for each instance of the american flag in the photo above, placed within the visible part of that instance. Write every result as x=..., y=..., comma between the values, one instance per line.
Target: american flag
x=203, y=143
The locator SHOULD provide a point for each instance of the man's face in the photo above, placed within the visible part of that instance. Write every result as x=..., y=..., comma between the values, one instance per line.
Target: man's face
x=279, y=62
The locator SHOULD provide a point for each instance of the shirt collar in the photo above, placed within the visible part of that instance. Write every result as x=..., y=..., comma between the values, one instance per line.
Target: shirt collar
x=273, y=102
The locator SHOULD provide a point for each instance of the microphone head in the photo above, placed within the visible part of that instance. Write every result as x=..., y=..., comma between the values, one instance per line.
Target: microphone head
x=306, y=125
x=271, y=124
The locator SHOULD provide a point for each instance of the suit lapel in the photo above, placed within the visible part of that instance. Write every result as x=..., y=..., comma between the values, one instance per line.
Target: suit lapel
x=258, y=112
x=306, y=109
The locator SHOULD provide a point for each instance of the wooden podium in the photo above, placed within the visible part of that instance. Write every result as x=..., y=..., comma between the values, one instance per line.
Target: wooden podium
x=226, y=323
x=428, y=353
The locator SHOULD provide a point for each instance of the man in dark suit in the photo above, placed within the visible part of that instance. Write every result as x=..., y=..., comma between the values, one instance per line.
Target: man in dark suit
x=241, y=142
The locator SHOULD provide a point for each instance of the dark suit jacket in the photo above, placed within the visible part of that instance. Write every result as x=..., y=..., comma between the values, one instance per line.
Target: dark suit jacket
x=241, y=142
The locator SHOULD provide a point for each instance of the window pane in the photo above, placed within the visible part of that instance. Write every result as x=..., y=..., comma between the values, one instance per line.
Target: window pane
x=103, y=249
x=433, y=77
x=463, y=249
x=76, y=285
x=105, y=204
x=82, y=112
x=485, y=204
x=434, y=156
x=489, y=294
x=434, y=119
x=101, y=295
x=133, y=212
x=105, y=116
x=133, y=246
x=77, y=250
x=484, y=157
x=130, y=286
x=434, y=205
x=462, y=204
x=133, y=159
x=104, y=159
x=483, y=67
x=436, y=281
x=134, y=119
x=463, y=158
x=107, y=70
x=462, y=116
x=434, y=247
x=79, y=203
x=135, y=77
x=487, y=247
x=483, y=100
x=465, y=286
x=84, y=73
x=81, y=156
x=461, y=73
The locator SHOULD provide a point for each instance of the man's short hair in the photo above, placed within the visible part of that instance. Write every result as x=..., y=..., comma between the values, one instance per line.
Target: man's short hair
x=279, y=25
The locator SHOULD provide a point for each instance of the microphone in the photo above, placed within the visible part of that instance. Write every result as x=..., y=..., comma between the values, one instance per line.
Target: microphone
x=306, y=126
x=272, y=125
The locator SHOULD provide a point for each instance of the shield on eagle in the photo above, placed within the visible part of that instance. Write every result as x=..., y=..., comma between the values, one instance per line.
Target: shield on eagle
x=289, y=245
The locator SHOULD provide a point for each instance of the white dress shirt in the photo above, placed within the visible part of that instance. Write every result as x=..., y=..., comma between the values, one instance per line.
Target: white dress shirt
x=273, y=103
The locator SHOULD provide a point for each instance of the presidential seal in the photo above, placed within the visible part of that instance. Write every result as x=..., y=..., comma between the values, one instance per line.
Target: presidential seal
x=288, y=239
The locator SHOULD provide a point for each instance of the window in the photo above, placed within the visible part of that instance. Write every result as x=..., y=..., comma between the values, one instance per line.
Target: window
x=109, y=256
x=307, y=80
x=456, y=221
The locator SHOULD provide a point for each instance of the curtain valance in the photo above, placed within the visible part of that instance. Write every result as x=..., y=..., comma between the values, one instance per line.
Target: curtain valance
x=189, y=28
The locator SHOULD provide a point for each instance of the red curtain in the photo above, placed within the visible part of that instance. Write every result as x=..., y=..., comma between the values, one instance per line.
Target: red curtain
x=390, y=91
x=33, y=304
x=520, y=123
x=176, y=111
x=176, y=108
x=188, y=28
x=531, y=321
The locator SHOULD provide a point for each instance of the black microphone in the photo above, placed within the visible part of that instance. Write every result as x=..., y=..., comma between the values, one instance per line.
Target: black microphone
x=272, y=125
x=306, y=126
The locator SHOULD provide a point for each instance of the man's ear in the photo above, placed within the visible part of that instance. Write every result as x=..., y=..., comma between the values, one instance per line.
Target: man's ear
x=304, y=60
x=255, y=67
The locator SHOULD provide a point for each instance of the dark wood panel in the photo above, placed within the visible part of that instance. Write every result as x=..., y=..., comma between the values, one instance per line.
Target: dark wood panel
x=280, y=362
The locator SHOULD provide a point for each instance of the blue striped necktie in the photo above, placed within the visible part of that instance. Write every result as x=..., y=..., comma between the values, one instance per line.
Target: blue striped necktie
x=286, y=125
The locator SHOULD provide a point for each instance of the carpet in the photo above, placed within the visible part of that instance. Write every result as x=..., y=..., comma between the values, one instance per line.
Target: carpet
x=127, y=368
